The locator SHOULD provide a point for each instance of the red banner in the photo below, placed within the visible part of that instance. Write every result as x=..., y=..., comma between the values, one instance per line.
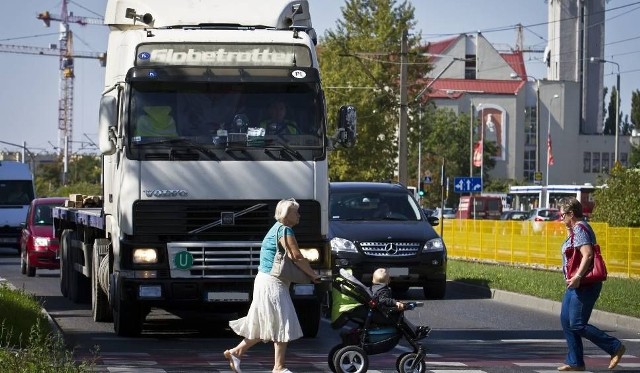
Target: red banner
x=477, y=154
x=549, y=152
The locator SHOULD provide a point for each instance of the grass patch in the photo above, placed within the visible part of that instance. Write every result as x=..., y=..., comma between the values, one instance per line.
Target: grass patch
x=619, y=295
x=27, y=343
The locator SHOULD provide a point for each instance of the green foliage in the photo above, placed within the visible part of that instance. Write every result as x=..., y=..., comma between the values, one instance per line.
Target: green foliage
x=83, y=176
x=26, y=341
x=617, y=203
x=618, y=295
x=635, y=109
x=363, y=53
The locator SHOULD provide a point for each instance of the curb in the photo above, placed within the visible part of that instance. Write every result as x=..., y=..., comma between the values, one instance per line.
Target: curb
x=610, y=320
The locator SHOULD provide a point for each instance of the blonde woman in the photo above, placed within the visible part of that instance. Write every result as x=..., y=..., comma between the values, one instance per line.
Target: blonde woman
x=271, y=316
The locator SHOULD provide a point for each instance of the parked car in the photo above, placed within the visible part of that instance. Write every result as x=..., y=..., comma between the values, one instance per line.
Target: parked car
x=539, y=215
x=514, y=215
x=447, y=213
x=376, y=225
x=38, y=246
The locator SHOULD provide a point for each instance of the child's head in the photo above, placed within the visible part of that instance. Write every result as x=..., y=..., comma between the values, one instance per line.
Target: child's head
x=380, y=276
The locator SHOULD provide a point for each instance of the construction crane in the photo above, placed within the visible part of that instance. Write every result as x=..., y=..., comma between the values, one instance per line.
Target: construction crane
x=64, y=51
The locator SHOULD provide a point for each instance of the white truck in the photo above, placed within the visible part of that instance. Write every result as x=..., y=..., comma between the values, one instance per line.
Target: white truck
x=16, y=193
x=192, y=170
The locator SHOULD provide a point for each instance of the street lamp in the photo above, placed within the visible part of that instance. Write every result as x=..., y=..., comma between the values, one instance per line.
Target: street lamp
x=549, y=135
x=600, y=60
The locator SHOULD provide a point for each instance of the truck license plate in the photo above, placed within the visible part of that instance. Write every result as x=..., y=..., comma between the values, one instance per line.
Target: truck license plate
x=214, y=296
x=154, y=291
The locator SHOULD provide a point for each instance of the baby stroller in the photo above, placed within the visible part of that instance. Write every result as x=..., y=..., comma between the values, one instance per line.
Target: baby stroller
x=375, y=330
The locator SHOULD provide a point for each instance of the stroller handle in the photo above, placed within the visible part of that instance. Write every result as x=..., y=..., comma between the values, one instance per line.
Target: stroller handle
x=412, y=305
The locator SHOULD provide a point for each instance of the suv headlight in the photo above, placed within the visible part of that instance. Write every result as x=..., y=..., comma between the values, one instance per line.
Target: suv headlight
x=433, y=245
x=341, y=245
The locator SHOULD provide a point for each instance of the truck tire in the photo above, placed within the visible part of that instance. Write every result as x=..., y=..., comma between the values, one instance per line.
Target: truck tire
x=127, y=318
x=100, y=308
x=65, y=242
x=309, y=313
x=78, y=283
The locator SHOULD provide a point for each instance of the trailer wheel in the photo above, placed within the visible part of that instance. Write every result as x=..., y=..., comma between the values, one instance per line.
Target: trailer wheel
x=99, y=300
x=65, y=242
x=127, y=318
x=78, y=283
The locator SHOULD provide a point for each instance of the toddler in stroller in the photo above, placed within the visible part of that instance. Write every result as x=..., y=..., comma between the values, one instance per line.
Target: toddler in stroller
x=379, y=324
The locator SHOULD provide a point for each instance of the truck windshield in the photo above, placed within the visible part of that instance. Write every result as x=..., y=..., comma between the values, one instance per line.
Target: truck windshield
x=16, y=192
x=214, y=119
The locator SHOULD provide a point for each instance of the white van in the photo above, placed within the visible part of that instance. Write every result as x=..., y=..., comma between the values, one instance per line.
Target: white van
x=16, y=193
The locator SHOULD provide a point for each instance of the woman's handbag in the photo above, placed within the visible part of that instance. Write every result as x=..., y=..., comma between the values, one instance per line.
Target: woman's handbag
x=284, y=268
x=597, y=270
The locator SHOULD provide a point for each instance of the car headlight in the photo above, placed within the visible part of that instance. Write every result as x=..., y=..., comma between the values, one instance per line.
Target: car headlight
x=145, y=256
x=312, y=255
x=342, y=245
x=432, y=245
x=41, y=241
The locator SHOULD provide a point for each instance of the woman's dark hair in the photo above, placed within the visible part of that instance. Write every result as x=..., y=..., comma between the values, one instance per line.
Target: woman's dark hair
x=571, y=204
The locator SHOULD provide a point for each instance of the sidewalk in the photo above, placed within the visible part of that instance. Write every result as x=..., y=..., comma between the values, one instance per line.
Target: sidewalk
x=608, y=319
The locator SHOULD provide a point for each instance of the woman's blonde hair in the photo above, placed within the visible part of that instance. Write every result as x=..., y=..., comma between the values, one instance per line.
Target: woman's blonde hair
x=380, y=276
x=282, y=209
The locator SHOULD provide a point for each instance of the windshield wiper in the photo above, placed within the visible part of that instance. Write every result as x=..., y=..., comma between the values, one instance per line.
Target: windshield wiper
x=281, y=145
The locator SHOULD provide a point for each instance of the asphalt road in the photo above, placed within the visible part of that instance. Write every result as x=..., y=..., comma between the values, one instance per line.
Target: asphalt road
x=474, y=330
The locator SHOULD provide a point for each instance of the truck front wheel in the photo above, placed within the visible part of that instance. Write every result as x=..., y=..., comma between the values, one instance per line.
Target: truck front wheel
x=309, y=313
x=99, y=301
x=127, y=318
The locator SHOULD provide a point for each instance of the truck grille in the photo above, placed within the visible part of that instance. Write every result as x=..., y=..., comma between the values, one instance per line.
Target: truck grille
x=175, y=220
x=390, y=249
x=216, y=259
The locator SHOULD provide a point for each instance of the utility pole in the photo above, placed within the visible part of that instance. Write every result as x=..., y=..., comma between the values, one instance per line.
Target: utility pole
x=402, y=132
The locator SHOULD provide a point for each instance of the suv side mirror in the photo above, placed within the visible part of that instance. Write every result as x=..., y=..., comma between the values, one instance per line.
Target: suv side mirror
x=108, y=118
x=433, y=220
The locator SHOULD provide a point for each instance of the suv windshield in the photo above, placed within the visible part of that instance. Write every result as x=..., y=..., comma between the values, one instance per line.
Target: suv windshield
x=366, y=206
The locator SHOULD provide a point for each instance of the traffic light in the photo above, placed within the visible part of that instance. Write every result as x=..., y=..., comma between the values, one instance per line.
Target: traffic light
x=421, y=189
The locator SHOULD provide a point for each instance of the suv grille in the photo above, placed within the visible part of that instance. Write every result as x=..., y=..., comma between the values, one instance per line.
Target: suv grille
x=390, y=249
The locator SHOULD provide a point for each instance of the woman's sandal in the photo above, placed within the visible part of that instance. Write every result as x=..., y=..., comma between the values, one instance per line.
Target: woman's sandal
x=234, y=361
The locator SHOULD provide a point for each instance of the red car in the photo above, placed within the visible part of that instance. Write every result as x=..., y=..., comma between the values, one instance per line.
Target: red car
x=38, y=246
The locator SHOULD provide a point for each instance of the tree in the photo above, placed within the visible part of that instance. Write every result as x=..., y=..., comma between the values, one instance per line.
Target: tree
x=84, y=173
x=363, y=53
x=610, y=122
x=635, y=109
x=617, y=203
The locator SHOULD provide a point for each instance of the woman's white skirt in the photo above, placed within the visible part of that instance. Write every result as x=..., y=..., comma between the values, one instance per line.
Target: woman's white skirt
x=271, y=316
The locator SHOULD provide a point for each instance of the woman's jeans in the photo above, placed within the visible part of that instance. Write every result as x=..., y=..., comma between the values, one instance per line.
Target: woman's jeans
x=577, y=305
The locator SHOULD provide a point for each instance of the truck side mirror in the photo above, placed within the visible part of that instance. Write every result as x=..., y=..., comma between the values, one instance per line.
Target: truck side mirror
x=347, y=120
x=108, y=118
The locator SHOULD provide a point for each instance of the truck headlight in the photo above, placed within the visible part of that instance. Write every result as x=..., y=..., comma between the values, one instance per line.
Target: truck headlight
x=145, y=256
x=312, y=255
x=340, y=244
x=435, y=244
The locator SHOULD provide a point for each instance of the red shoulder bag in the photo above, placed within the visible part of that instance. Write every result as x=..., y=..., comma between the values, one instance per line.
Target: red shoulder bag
x=597, y=270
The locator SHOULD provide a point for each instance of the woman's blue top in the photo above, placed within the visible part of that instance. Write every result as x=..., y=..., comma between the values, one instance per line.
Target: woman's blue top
x=270, y=245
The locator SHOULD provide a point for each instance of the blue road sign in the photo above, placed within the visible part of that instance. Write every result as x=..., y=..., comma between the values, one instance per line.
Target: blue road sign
x=467, y=184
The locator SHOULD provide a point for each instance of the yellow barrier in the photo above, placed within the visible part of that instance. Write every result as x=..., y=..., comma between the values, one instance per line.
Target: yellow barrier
x=537, y=244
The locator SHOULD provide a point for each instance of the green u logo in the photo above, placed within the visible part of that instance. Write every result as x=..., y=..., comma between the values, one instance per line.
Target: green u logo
x=183, y=260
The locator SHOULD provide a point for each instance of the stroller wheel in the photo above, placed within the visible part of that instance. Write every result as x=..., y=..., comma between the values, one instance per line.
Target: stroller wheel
x=351, y=359
x=399, y=359
x=408, y=364
x=332, y=354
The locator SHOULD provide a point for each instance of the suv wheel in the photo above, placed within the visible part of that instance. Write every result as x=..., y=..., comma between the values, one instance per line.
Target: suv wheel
x=435, y=289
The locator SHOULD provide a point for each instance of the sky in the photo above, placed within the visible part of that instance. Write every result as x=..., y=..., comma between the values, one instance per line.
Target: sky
x=29, y=103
